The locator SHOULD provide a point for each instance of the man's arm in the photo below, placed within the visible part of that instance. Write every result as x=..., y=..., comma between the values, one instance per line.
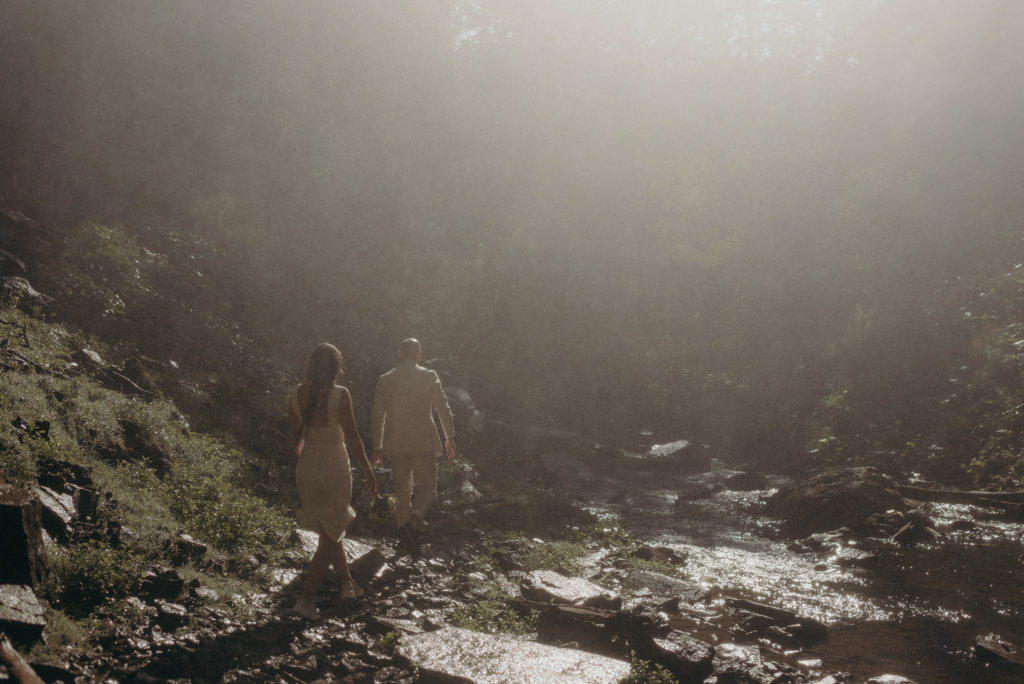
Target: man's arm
x=440, y=404
x=377, y=418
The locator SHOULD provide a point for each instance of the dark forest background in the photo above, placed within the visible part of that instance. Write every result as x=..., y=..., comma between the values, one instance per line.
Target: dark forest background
x=791, y=233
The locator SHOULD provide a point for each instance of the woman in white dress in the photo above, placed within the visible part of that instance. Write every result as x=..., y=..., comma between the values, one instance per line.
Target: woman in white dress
x=322, y=425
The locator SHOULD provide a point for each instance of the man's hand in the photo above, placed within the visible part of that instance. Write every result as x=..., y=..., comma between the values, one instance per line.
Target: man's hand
x=378, y=456
x=449, y=447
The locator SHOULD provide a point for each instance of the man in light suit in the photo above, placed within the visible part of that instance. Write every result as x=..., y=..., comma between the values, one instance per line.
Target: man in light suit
x=404, y=429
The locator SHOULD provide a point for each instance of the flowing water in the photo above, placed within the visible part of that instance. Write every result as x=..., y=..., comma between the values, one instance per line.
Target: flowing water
x=913, y=611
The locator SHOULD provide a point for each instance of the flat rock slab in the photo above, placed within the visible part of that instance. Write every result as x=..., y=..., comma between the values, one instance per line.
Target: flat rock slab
x=547, y=586
x=21, y=613
x=466, y=656
x=663, y=587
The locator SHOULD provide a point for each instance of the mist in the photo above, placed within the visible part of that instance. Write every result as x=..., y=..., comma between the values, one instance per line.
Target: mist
x=692, y=219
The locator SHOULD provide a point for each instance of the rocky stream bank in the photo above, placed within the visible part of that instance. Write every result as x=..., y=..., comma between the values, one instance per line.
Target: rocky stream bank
x=570, y=624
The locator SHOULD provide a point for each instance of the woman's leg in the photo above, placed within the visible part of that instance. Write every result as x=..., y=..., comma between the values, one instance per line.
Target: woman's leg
x=339, y=562
x=317, y=567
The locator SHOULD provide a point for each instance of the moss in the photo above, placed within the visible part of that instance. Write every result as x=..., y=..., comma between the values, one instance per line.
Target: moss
x=493, y=614
x=86, y=575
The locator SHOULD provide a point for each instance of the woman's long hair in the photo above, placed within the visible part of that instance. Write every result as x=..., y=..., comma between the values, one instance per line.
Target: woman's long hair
x=323, y=368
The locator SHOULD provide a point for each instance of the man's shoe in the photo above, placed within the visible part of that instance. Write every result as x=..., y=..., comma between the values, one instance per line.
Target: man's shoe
x=408, y=538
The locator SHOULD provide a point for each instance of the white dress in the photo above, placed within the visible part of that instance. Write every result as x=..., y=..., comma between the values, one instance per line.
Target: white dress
x=323, y=474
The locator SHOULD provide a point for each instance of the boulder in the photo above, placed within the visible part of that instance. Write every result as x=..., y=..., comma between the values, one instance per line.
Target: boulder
x=22, y=554
x=170, y=616
x=546, y=586
x=185, y=548
x=842, y=498
x=661, y=554
x=663, y=587
x=17, y=289
x=58, y=512
x=367, y=566
x=587, y=630
x=735, y=664
x=162, y=583
x=804, y=631
x=746, y=482
x=679, y=457
x=21, y=614
x=649, y=635
x=889, y=679
x=459, y=655
x=992, y=648
x=688, y=658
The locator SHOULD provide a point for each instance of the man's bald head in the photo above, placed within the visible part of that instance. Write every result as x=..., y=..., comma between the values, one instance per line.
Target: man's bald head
x=410, y=350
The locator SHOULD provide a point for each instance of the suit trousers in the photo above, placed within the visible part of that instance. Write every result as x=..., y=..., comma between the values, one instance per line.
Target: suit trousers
x=411, y=470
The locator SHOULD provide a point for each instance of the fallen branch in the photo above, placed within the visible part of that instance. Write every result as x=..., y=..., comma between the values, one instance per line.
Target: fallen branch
x=977, y=498
x=17, y=665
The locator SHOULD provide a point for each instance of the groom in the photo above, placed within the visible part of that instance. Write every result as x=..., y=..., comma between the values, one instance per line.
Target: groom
x=404, y=429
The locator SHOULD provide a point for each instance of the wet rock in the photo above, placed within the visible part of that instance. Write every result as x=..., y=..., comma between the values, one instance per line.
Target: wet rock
x=913, y=533
x=694, y=491
x=170, y=616
x=58, y=512
x=185, y=548
x=467, y=492
x=889, y=679
x=822, y=541
x=21, y=614
x=464, y=409
x=992, y=648
x=1014, y=513
x=162, y=583
x=734, y=663
x=835, y=499
x=850, y=557
x=18, y=289
x=547, y=586
x=963, y=526
x=688, y=658
x=462, y=655
x=805, y=631
x=661, y=554
x=663, y=587
x=22, y=554
x=577, y=627
x=367, y=566
x=746, y=482
x=679, y=457
x=86, y=502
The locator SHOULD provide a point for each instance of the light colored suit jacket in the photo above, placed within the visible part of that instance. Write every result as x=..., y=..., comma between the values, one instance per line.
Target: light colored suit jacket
x=402, y=411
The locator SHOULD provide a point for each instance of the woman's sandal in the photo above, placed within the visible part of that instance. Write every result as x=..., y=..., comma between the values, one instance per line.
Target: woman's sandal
x=306, y=609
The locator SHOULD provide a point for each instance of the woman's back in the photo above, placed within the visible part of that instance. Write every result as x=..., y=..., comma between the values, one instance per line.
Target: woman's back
x=320, y=426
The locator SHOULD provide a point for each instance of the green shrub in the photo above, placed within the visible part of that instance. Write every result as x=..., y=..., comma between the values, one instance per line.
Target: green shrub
x=554, y=555
x=494, y=614
x=387, y=643
x=17, y=463
x=223, y=515
x=61, y=635
x=645, y=672
x=84, y=576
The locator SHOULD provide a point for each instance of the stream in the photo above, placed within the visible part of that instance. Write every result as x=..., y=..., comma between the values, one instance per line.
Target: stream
x=912, y=611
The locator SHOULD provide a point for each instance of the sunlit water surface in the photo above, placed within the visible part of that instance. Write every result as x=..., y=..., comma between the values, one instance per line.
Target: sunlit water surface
x=914, y=612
